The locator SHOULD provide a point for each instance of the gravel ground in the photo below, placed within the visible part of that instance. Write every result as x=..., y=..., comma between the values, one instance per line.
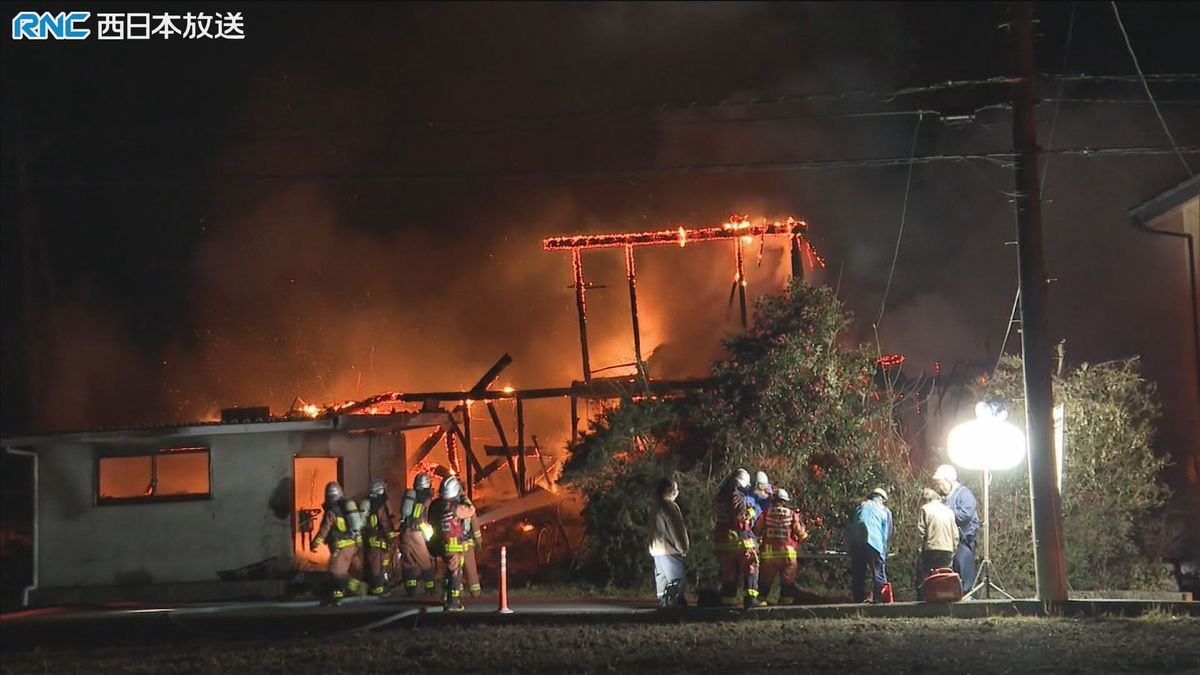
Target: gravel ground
x=996, y=645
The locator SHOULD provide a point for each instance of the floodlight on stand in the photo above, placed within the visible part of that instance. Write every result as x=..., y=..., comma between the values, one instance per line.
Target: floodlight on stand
x=987, y=443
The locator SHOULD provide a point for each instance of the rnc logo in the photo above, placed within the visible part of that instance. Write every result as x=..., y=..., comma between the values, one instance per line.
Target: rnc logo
x=40, y=26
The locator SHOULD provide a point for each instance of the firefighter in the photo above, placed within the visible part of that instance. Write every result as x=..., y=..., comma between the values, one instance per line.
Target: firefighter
x=341, y=528
x=473, y=539
x=380, y=535
x=734, y=542
x=416, y=563
x=447, y=514
x=781, y=534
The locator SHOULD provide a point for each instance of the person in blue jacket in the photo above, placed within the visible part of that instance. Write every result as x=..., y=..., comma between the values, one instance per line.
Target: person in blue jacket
x=867, y=538
x=760, y=498
x=962, y=501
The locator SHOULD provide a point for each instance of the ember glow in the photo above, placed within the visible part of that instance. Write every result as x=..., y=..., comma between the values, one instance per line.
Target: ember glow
x=737, y=226
x=889, y=360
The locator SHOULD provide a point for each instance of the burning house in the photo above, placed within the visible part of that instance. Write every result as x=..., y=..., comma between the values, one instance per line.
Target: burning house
x=204, y=510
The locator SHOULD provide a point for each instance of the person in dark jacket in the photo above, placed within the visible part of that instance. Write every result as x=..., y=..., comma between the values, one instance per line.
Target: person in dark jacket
x=962, y=501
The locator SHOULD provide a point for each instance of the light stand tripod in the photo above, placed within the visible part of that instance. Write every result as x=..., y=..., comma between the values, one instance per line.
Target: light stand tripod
x=983, y=576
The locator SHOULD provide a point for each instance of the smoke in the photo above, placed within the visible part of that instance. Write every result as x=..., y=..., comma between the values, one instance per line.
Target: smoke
x=325, y=270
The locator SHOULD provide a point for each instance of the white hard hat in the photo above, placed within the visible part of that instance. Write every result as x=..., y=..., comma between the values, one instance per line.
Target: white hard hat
x=945, y=472
x=742, y=478
x=783, y=496
x=881, y=492
x=761, y=478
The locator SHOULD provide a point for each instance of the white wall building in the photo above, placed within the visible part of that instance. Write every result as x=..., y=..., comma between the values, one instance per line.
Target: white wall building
x=155, y=514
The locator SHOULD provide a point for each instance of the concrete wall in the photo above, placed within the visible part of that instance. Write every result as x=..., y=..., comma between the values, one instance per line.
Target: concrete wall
x=247, y=519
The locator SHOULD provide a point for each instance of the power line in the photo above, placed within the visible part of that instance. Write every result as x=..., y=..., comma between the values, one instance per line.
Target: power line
x=900, y=234
x=1146, y=86
x=1003, y=159
x=496, y=122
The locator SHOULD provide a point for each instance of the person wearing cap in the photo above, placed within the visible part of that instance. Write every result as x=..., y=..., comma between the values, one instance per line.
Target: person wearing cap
x=937, y=537
x=867, y=538
x=962, y=502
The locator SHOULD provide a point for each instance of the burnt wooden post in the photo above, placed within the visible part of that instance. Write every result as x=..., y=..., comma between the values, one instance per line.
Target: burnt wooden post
x=521, y=445
x=503, y=440
x=740, y=279
x=631, y=274
x=797, y=264
x=574, y=420
x=581, y=307
x=466, y=429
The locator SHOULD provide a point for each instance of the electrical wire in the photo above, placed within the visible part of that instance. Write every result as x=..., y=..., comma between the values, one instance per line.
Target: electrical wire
x=903, y=218
x=1137, y=66
x=1002, y=159
x=494, y=122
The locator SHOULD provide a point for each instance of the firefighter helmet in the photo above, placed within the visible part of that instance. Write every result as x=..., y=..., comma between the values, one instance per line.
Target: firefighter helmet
x=783, y=496
x=378, y=487
x=422, y=482
x=879, y=492
x=333, y=491
x=761, y=479
x=451, y=488
x=742, y=478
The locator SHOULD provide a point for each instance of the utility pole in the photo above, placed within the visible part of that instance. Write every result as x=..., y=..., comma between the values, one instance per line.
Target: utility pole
x=1035, y=347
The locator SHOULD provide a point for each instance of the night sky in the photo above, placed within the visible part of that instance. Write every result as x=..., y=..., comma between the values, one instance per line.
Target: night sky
x=352, y=199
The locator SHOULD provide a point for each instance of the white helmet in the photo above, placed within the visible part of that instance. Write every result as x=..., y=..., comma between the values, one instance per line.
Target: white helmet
x=761, y=479
x=880, y=492
x=782, y=495
x=451, y=488
x=742, y=478
x=378, y=487
x=422, y=482
x=946, y=472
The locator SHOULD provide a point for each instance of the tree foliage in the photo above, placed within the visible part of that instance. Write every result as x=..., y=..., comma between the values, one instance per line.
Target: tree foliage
x=1111, y=491
x=789, y=398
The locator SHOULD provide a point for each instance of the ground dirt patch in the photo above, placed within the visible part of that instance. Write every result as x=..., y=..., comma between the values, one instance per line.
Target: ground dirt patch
x=943, y=645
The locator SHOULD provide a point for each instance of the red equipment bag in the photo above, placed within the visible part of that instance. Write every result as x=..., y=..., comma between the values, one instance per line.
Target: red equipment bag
x=943, y=585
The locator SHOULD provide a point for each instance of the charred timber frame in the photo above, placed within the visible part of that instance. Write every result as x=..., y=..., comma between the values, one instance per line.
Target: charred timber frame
x=738, y=229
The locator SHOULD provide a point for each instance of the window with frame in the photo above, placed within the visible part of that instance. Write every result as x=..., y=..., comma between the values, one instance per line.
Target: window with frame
x=169, y=474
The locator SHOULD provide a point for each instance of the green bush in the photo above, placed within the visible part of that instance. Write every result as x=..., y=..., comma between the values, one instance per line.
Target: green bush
x=789, y=399
x=1111, y=492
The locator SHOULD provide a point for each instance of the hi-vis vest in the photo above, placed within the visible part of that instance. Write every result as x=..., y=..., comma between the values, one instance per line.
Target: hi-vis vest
x=346, y=528
x=733, y=518
x=414, y=511
x=780, y=538
x=379, y=524
x=449, y=535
